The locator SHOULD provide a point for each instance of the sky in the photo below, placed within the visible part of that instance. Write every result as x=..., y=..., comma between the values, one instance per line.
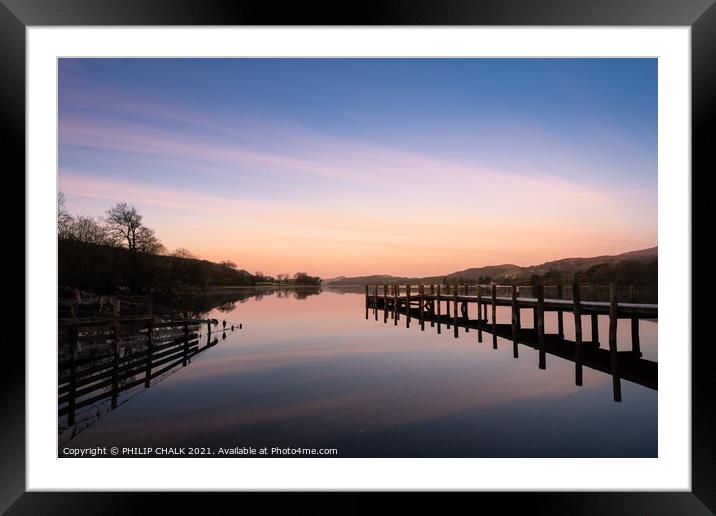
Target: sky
x=346, y=167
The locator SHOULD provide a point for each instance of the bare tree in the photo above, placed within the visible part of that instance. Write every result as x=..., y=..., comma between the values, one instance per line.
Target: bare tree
x=87, y=229
x=183, y=252
x=146, y=241
x=229, y=264
x=64, y=219
x=124, y=221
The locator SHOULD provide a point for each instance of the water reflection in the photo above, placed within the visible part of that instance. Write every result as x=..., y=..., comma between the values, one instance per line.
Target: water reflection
x=105, y=364
x=309, y=373
x=625, y=364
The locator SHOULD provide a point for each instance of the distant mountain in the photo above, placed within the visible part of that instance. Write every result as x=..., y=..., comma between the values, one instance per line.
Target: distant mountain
x=333, y=280
x=640, y=265
x=365, y=280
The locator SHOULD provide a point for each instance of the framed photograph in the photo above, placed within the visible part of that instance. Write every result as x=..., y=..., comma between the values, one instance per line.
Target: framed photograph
x=412, y=251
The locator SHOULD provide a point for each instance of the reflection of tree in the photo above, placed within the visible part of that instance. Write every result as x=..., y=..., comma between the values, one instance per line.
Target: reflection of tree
x=199, y=305
x=303, y=293
x=228, y=306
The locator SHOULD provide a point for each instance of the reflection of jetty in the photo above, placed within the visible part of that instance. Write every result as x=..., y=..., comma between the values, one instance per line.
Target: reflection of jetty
x=102, y=358
x=427, y=306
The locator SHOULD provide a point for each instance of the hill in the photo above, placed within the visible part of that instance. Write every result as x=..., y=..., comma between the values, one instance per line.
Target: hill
x=635, y=266
x=102, y=268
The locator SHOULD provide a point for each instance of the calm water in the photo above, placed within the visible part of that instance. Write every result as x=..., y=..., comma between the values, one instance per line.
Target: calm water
x=314, y=373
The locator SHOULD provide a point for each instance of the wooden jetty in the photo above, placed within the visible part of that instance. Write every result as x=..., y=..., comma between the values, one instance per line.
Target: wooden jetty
x=628, y=365
x=101, y=357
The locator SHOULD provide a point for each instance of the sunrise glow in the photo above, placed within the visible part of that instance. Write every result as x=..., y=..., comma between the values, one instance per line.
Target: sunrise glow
x=368, y=166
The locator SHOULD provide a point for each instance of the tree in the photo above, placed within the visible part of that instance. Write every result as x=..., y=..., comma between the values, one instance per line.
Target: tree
x=89, y=230
x=64, y=219
x=229, y=264
x=183, y=252
x=147, y=242
x=123, y=222
x=301, y=278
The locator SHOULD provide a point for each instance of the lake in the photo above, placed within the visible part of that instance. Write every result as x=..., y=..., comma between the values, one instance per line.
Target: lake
x=310, y=371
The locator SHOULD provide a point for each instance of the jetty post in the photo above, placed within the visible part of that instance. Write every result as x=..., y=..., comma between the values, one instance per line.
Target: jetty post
x=560, y=318
x=396, y=288
x=540, y=326
x=407, y=305
x=595, y=317
x=367, y=302
x=421, y=306
x=635, y=345
x=479, y=313
x=465, y=309
x=519, y=316
x=375, y=301
x=494, y=316
x=613, y=354
x=432, y=304
x=515, y=322
x=455, y=322
x=576, y=297
x=439, y=302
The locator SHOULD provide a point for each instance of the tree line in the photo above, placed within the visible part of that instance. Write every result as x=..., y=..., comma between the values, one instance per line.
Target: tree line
x=122, y=226
x=624, y=272
x=300, y=279
x=120, y=252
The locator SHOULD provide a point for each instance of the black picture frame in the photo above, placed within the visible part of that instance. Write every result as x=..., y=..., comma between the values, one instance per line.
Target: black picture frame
x=17, y=15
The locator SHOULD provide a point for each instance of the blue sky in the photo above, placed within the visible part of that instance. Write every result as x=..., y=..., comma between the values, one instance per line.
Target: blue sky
x=326, y=139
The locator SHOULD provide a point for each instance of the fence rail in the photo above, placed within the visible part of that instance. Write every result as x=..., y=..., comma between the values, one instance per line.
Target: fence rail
x=102, y=357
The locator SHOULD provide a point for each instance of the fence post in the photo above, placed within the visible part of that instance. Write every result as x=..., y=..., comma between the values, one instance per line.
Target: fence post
x=115, y=368
x=72, y=387
x=150, y=352
x=186, y=340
